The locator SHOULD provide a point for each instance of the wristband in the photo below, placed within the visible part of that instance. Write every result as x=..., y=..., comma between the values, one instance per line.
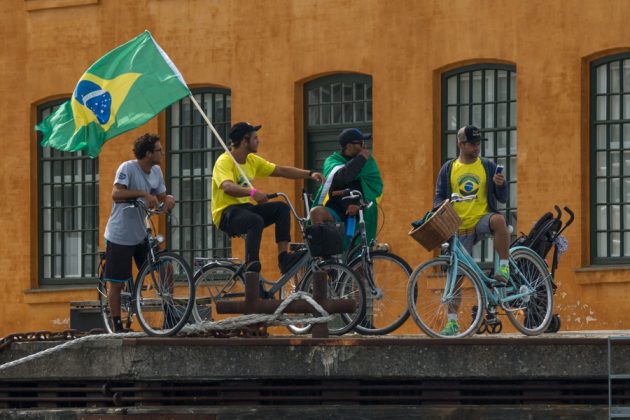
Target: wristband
x=252, y=192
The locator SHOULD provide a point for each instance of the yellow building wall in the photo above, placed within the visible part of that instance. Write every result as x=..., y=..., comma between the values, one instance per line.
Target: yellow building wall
x=264, y=51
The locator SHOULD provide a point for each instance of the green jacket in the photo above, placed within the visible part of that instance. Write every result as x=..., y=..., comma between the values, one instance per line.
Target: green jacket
x=371, y=184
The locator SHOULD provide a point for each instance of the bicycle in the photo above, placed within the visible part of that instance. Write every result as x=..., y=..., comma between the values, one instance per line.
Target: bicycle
x=162, y=296
x=454, y=282
x=222, y=279
x=385, y=275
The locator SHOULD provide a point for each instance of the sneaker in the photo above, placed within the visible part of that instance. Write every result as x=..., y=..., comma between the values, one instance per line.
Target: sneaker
x=378, y=246
x=451, y=328
x=286, y=260
x=503, y=275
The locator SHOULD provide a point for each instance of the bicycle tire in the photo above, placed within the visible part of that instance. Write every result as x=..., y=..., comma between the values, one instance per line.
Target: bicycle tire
x=165, y=295
x=103, y=300
x=429, y=311
x=342, y=284
x=532, y=313
x=386, y=309
x=216, y=282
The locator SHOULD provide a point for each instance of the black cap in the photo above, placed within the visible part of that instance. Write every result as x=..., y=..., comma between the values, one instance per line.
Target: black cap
x=241, y=129
x=352, y=134
x=470, y=133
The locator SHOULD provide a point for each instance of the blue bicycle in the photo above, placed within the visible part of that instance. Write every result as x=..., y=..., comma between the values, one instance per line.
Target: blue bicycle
x=453, y=285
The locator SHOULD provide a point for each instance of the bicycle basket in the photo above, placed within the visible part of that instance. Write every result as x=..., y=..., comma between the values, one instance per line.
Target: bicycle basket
x=438, y=228
x=324, y=239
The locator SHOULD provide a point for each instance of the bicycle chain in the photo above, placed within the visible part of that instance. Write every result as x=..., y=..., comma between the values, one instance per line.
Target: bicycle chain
x=248, y=331
x=47, y=336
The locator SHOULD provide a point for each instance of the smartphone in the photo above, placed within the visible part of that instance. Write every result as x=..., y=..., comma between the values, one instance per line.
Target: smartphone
x=499, y=169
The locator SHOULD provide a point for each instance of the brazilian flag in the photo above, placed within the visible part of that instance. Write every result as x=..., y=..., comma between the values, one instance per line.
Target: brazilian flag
x=121, y=91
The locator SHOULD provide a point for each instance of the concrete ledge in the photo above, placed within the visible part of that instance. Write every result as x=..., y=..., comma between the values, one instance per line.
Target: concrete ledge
x=508, y=357
x=450, y=412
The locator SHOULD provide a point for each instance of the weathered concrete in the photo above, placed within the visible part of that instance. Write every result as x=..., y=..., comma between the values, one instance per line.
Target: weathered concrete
x=507, y=357
x=446, y=412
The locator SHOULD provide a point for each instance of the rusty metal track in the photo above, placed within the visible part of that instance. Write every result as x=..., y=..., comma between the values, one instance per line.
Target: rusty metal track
x=309, y=392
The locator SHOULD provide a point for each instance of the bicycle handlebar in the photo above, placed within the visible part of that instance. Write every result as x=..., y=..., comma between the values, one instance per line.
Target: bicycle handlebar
x=142, y=205
x=456, y=198
x=286, y=199
x=349, y=194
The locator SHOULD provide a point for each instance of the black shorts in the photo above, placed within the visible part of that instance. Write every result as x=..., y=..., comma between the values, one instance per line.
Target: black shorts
x=118, y=260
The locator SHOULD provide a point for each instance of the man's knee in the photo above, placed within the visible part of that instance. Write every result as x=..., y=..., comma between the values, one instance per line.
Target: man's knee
x=319, y=214
x=498, y=223
x=255, y=222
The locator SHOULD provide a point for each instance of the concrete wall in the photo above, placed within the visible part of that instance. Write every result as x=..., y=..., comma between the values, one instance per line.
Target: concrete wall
x=265, y=50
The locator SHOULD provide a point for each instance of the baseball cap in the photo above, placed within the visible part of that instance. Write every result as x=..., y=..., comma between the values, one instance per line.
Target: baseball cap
x=352, y=134
x=469, y=133
x=241, y=129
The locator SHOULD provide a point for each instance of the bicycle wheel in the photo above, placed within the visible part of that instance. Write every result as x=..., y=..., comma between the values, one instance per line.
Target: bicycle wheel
x=386, y=307
x=165, y=295
x=103, y=301
x=528, y=300
x=215, y=283
x=429, y=306
x=342, y=284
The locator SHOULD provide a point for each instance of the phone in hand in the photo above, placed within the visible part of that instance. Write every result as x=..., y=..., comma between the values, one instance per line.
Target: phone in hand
x=499, y=169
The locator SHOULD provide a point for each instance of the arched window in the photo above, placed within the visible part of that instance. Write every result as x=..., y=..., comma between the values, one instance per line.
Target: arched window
x=331, y=104
x=483, y=95
x=68, y=212
x=610, y=159
x=192, y=150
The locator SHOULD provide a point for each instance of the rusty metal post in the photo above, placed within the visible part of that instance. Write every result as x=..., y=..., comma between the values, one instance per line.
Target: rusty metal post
x=320, y=292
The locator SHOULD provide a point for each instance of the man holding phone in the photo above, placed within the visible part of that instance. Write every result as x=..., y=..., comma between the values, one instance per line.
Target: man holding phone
x=470, y=174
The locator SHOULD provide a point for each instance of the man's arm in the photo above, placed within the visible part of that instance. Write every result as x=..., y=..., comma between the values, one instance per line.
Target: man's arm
x=440, y=187
x=350, y=170
x=120, y=193
x=500, y=184
x=235, y=190
x=296, y=173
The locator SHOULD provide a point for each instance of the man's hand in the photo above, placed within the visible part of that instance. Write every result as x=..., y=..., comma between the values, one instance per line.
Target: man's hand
x=352, y=210
x=151, y=200
x=499, y=179
x=365, y=153
x=318, y=177
x=169, y=202
x=260, y=197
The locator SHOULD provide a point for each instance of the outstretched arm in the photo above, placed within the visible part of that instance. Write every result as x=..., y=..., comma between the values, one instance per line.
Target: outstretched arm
x=296, y=173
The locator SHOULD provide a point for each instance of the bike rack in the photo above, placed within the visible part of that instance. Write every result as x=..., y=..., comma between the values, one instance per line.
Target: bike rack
x=254, y=304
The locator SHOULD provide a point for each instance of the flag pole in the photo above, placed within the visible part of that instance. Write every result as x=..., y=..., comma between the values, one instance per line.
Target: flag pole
x=205, y=117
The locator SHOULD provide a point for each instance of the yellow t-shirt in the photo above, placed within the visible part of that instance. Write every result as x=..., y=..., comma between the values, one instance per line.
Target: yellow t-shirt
x=470, y=179
x=225, y=170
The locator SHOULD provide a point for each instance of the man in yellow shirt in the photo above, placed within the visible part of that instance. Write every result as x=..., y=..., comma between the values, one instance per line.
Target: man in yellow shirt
x=232, y=210
x=468, y=175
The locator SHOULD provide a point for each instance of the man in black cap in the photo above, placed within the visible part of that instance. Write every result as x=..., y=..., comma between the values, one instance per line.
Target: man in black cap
x=232, y=210
x=469, y=175
x=353, y=168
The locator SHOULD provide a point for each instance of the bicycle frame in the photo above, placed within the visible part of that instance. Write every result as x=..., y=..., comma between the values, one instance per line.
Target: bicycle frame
x=459, y=255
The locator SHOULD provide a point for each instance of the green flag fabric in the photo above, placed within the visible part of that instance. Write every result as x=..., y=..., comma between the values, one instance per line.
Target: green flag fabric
x=123, y=90
x=371, y=184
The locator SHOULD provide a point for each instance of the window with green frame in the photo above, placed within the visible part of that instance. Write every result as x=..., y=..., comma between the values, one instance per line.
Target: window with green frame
x=610, y=159
x=68, y=213
x=332, y=104
x=484, y=95
x=192, y=150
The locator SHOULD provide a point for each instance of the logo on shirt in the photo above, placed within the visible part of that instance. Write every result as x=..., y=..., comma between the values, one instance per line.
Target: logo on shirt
x=468, y=184
x=241, y=181
x=122, y=176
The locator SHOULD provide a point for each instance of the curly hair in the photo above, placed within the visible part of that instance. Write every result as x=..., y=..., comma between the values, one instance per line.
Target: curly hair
x=145, y=144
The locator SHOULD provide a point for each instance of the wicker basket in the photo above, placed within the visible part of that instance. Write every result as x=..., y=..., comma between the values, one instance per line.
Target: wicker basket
x=440, y=226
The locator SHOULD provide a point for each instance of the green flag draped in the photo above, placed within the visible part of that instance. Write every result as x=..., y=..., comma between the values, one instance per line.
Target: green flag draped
x=123, y=90
x=371, y=184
